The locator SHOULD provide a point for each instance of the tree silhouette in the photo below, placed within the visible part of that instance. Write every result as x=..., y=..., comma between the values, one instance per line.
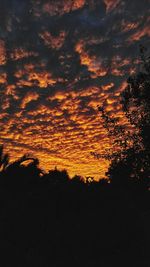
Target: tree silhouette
x=24, y=171
x=132, y=161
x=56, y=178
x=136, y=105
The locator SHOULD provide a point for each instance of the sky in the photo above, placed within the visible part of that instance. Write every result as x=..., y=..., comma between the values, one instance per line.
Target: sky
x=59, y=60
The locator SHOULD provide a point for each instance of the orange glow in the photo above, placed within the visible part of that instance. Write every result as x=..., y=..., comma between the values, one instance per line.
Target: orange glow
x=3, y=78
x=28, y=98
x=139, y=34
x=53, y=79
x=128, y=26
x=41, y=79
x=78, y=4
x=111, y=4
x=62, y=7
x=93, y=64
x=51, y=41
x=20, y=53
x=108, y=86
x=2, y=53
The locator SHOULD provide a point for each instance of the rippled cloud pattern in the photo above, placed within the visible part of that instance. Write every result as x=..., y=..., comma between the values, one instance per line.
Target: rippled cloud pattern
x=58, y=61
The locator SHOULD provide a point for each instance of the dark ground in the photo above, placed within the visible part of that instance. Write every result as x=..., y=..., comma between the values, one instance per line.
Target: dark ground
x=71, y=223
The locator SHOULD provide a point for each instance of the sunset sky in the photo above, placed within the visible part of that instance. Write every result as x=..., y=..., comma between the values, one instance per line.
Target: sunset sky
x=59, y=60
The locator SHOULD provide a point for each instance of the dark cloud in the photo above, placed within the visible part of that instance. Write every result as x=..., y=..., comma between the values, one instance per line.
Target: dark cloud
x=58, y=61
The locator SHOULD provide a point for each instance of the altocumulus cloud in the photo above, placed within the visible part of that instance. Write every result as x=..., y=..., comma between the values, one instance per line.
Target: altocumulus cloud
x=58, y=61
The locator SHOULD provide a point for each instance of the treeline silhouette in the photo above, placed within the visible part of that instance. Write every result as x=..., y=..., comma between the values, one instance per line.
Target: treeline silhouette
x=48, y=219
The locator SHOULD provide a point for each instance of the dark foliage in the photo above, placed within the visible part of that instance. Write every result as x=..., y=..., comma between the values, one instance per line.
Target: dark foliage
x=48, y=219
x=131, y=164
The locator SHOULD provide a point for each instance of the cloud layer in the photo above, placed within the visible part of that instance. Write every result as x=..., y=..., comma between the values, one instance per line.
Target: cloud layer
x=58, y=61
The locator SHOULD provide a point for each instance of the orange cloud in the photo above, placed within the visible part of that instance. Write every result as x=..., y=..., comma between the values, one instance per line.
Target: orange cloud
x=2, y=53
x=107, y=86
x=129, y=26
x=28, y=98
x=117, y=64
x=93, y=64
x=5, y=104
x=42, y=78
x=59, y=8
x=3, y=78
x=111, y=4
x=52, y=41
x=139, y=34
x=20, y=53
